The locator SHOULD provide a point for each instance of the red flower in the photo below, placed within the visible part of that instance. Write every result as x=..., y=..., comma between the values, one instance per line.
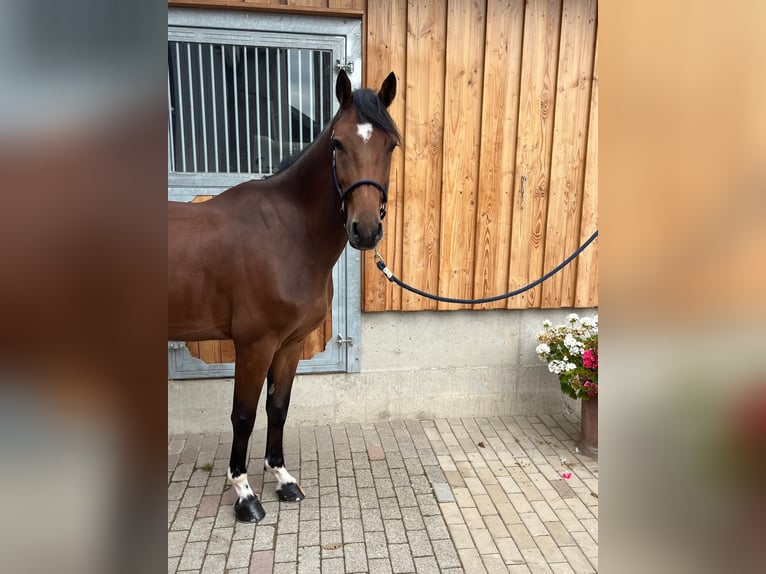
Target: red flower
x=590, y=359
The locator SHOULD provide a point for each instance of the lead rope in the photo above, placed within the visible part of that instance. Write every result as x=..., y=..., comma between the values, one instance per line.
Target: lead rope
x=394, y=279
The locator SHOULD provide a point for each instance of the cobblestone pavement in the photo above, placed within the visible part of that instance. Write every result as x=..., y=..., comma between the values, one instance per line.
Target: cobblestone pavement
x=445, y=495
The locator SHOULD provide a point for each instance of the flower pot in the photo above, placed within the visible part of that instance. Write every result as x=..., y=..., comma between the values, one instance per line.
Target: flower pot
x=589, y=427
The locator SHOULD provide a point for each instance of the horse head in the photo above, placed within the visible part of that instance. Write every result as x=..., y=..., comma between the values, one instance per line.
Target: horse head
x=363, y=139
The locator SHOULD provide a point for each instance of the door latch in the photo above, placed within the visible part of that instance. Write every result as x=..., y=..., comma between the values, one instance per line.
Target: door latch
x=348, y=67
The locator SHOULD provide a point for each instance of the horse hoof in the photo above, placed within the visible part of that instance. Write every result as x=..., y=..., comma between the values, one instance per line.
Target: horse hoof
x=290, y=492
x=249, y=510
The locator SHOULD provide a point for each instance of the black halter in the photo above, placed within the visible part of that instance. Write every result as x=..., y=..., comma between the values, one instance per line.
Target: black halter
x=344, y=194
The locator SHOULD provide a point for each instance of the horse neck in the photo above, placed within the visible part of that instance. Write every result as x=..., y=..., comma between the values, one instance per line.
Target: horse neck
x=313, y=193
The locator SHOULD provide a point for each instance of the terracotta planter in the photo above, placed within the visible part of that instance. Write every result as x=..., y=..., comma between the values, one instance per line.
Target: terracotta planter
x=589, y=427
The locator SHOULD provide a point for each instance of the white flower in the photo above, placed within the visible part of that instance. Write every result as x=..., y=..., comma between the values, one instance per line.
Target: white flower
x=556, y=367
x=573, y=317
x=547, y=324
x=542, y=349
x=570, y=367
x=574, y=346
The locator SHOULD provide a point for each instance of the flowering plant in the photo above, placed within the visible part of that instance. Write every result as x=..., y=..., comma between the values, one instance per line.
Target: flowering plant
x=571, y=352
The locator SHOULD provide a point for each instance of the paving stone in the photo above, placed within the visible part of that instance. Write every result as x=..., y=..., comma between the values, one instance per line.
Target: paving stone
x=419, y=543
x=494, y=564
x=446, y=554
x=286, y=549
x=176, y=541
x=331, y=543
x=375, y=544
x=577, y=559
x=395, y=496
x=355, y=556
x=239, y=554
x=401, y=558
x=220, y=540
x=443, y=492
x=214, y=564
x=264, y=537
x=285, y=568
x=379, y=565
x=201, y=530
x=436, y=527
x=333, y=566
x=352, y=531
x=309, y=560
x=471, y=561
x=461, y=536
x=193, y=556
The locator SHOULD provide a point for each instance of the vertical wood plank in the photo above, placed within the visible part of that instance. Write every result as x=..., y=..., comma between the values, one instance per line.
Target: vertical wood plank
x=210, y=351
x=497, y=164
x=316, y=341
x=227, y=351
x=462, y=121
x=355, y=4
x=193, y=347
x=424, y=124
x=386, y=52
x=587, y=269
x=578, y=40
x=307, y=3
x=535, y=139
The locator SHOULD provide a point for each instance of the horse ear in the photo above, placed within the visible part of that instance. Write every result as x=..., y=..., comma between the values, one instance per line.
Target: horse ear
x=343, y=89
x=388, y=90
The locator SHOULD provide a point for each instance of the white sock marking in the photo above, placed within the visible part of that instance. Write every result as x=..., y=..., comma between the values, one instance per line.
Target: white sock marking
x=240, y=484
x=364, y=131
x=281, y=474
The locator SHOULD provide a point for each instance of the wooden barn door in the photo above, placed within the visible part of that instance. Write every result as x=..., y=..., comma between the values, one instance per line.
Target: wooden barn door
x=244, y=92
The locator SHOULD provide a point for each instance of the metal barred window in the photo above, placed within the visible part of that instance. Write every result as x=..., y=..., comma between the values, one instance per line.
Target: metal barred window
x=243, y=98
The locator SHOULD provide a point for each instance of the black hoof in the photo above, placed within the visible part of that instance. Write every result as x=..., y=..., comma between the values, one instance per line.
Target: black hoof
x=290, y=492
x=249, y=510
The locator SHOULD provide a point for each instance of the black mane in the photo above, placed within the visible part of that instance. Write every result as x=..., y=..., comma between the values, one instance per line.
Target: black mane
x=370, y=109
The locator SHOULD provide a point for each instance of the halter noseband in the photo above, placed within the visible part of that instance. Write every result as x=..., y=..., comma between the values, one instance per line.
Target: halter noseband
x=345, y=194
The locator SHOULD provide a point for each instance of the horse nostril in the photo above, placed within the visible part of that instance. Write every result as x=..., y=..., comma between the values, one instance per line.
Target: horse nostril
x=355, y=229
x=380, y=230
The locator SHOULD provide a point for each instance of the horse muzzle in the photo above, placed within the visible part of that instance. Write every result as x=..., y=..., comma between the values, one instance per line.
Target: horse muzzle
x=365, y=233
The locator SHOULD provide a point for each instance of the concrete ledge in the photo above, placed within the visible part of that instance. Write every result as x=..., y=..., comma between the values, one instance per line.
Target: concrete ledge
x=414, y=365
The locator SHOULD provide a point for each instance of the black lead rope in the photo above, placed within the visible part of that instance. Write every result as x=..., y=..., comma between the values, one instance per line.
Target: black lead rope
x=391, y=277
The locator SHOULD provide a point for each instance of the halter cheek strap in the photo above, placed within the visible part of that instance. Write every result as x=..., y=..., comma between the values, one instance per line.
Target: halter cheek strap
x=345, y=194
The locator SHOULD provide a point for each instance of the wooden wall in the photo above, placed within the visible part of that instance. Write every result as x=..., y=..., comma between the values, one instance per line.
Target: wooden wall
x=496, y=181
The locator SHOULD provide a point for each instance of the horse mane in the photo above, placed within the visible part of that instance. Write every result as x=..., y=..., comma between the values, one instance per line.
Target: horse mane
x=370, y=109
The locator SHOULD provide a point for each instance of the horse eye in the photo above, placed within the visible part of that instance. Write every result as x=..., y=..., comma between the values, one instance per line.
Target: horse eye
x=337, y=145
x=392, y=147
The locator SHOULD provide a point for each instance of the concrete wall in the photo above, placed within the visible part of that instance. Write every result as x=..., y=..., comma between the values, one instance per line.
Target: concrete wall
x=414, y=365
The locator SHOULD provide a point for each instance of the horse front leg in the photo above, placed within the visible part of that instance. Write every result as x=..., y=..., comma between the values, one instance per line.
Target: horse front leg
x=280, y=380
x=252, y=362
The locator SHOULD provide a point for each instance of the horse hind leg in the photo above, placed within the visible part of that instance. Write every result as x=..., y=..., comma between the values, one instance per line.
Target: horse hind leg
x=280, y=380
x=250, y=370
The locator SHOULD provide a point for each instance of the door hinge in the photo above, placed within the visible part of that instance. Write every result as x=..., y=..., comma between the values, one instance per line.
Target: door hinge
x=348, y=67
x=176, y=345
x=340, y=340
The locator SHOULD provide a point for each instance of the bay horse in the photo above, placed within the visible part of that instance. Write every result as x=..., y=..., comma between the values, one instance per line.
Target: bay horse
x=254, y=264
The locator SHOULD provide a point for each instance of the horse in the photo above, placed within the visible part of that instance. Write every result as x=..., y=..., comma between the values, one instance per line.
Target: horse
x=254, y=264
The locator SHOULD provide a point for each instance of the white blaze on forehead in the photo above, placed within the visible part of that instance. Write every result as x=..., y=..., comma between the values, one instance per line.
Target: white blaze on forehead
x=364, y=131
x=240, y=484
